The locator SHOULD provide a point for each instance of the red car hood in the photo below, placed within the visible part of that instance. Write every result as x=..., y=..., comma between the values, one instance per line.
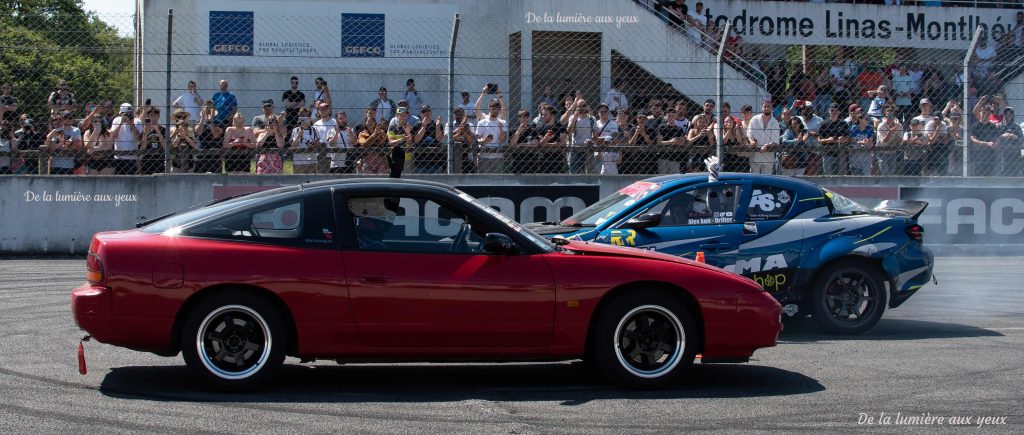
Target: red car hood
x=588, y=248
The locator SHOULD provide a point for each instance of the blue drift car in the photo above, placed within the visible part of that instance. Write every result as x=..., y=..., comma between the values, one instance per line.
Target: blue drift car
x=817, y=252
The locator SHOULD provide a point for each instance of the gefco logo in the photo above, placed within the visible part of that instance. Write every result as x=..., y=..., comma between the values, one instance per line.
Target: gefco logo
x=364, y=51
x=362, y=35
x=231, y=33
x=232, y=49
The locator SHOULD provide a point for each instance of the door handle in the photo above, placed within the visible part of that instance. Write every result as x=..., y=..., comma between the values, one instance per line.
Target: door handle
x=374, y=279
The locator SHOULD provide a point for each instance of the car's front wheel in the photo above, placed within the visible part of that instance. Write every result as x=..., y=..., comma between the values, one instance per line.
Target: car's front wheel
x=234, y=340
x=849, y=298
x=644, y=339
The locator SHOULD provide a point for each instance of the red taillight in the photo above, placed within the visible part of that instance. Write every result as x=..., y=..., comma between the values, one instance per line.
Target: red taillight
x=916, y=232
x=93, y=268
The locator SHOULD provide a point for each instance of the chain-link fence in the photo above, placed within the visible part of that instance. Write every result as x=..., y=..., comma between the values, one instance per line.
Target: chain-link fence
x=275, y=92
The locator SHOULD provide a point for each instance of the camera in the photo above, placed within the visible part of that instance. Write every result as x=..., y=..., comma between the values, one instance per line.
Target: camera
x=147, y=121
x=492, y=88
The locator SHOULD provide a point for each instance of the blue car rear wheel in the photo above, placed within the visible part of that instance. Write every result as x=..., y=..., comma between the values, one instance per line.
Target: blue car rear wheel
x=849, y=298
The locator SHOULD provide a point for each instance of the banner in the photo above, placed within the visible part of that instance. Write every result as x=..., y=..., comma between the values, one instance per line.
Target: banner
x=279, y=32
x=970, y=215
x=793, y=23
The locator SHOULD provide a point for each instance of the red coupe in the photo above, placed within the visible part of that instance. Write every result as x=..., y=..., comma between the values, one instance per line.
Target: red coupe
x=395, y=270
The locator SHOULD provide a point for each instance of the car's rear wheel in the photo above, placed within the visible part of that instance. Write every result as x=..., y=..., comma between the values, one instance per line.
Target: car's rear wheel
x=234, y=340
x=644, y=339
x=849, y=298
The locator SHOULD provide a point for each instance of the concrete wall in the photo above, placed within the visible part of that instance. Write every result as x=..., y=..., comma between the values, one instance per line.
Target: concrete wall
x=58, y=215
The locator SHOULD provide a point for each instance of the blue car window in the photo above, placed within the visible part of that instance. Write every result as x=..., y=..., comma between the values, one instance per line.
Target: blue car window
x=701, y=206
x=769, y=203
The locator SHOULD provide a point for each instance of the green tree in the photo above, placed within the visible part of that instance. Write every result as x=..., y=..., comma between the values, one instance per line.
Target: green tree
x=45, y=41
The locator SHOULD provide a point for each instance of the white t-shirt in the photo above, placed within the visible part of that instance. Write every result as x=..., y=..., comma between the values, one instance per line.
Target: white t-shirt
x=612, y=104
x=584, y=131
x=125, y=139
x=308, y=135
x=325, y=129
x=338, y=160
x=490, y=126
x=71, y=134
x=884, y=129
x=383, y=110
x=192, y=103
x=606, y=131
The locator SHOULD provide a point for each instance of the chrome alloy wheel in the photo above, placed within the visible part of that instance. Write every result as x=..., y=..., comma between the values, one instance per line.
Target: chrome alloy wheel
x=649, y=341
x=233, y=342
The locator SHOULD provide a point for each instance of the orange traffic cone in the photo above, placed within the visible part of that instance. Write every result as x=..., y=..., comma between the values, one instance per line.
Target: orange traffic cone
x=700, y=257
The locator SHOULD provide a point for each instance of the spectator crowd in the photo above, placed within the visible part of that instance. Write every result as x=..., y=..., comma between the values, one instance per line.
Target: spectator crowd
x=852, y=118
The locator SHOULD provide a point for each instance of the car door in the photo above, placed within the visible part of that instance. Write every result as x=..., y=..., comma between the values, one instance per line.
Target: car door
x=419, y=277
x=696, y=218
x=771, y=242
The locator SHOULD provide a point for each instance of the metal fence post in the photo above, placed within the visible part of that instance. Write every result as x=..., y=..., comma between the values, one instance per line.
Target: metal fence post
x=451, y=96
x=968, y=112
x=719, y=90
x=167, y=144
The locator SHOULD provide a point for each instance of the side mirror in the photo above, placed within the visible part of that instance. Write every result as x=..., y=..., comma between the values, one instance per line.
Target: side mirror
x=499, y=243
x=644, y=221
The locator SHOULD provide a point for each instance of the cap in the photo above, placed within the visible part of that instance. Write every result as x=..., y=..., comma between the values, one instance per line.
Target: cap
x=126, y=108
x=1008, y=109
x=833, y=106
x=882, y=88
x=27, y=122
x=853, y=108
x=402, y=109
x=66, y=114
x=425, y=108
x=464, y=92
x=180, y=113
x=926, y=101
x=268, y=102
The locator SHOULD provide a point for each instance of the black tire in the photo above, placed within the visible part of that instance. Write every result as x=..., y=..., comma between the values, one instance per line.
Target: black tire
x=234, y=340
x=656, y=356
x=849, y=298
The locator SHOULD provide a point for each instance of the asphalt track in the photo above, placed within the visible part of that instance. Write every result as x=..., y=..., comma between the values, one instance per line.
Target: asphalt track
x=953, y=350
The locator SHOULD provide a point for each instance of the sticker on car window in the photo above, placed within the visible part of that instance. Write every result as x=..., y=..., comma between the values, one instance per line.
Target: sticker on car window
x=640, y=189
x=769, y=202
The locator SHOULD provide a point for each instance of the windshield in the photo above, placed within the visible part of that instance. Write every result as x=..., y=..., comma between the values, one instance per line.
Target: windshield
x=611, y=205
x=843, y=206
x=194, y=215
x=542, y=242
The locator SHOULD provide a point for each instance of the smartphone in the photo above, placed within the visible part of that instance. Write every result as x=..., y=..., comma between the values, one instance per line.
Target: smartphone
x=149, y=101
x=492, y=88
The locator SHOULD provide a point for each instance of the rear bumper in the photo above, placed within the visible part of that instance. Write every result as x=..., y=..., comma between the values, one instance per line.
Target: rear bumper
x=92, y=308
x=912, y=271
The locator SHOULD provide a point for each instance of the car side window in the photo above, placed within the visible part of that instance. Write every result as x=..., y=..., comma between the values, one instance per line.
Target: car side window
x=769, y=203
x=700, y=206
x=413, y=225
x=305, y=221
